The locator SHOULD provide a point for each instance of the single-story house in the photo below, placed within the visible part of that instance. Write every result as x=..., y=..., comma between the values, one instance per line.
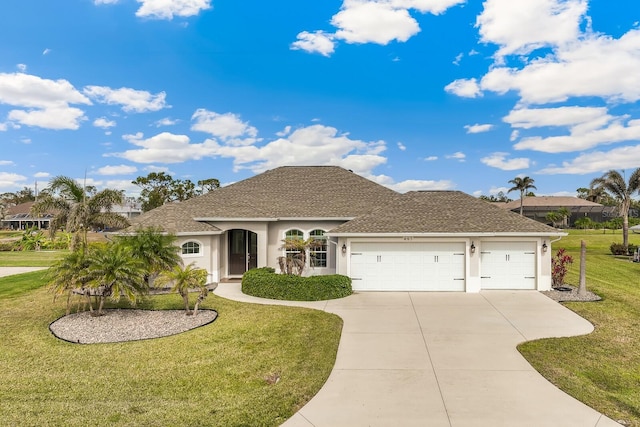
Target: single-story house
x=383, y=240
x=537, y=208
x=19, y=217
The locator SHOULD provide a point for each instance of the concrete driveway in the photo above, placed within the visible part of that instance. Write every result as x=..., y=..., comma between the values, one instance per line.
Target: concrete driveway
x=441, y=359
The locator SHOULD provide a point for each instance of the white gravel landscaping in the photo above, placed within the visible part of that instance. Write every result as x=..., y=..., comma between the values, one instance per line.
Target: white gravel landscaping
x=119, y=325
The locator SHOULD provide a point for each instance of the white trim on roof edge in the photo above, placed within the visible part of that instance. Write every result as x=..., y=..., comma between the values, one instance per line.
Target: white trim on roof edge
x=458, y=235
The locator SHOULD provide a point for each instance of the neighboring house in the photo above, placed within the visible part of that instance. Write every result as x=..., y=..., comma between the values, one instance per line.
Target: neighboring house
x=383, y=240
x=129, y=211
x=537, y=208
x=19, y=217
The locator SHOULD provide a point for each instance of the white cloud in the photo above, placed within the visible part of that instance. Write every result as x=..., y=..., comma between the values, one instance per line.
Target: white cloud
x=165, y=148
x=421, y=185
x=228, y=127
x=478, y=128
x=371, y=21
x=458, y=156
x=499, y=160
x=527, y=118
x=284, y=132
x=166, y=122
x=10, y=181
x=48, y=101
x=104, y=123
x=318, y=42
x=401, y=146
x=22, y=67
x=132, y=100
x=99, y=2
x=520, y=27
x=361, y=21
x=168, y=9
x=597, y=65
x=25, y=90
x=6, y=163
x=47, y=51
x=431, y=158
x=41, y=175
x=49, y=118
x=466, y=88
x=117, y=170
x=598, y=161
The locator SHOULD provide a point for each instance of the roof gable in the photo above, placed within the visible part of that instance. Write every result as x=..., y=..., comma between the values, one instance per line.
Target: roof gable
x=446, y=212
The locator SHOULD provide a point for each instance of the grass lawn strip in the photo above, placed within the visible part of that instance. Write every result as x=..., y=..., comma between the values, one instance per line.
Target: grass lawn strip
x=601, y=369
x=214, y=375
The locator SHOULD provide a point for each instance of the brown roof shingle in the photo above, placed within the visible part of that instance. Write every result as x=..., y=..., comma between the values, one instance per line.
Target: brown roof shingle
x=447, y=212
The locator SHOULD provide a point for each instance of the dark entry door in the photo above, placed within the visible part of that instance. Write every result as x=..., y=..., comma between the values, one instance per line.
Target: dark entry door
x=243, y=251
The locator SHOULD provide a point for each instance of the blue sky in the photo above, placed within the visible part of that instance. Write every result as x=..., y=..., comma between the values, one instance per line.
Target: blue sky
x=413, y=94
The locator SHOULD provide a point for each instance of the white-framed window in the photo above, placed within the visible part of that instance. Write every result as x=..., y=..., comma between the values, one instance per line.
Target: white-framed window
x=318, y=249
x=292, y=235
x=190, y=248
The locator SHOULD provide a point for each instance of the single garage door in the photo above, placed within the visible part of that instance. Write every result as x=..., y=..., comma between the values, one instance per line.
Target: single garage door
x=508, y=265
x=407, y=266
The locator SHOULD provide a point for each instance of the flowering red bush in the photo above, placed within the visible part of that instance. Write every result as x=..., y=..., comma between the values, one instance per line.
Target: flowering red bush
x=560, y=266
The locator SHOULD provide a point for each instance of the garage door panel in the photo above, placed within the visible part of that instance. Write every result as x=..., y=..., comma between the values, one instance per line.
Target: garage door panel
x=508, y=265
x=408, y=266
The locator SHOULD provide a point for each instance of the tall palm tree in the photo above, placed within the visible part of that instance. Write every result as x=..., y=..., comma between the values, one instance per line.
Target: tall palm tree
x=155, y=248
x=613, y=182
x=184, y=279
x=114, y=272
x=521, y=184
x=79, y=208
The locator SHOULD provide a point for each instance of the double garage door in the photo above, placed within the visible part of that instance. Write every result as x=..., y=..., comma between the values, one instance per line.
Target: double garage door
x=408, y=266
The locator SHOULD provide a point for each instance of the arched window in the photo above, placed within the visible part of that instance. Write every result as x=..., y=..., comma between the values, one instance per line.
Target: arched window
x=191, y=248
x=318, y=249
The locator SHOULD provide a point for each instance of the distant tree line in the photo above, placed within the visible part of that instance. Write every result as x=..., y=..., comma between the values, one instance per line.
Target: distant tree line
x=159, y=188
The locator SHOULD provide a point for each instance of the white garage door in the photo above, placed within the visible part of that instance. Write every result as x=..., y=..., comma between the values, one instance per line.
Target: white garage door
x=407, y=266
x=508, y=265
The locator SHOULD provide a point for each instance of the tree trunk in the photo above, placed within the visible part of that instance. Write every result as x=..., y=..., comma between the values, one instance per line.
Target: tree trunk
x=625, y=230
x=521, y=201
x=582, y=288
x=185, y=298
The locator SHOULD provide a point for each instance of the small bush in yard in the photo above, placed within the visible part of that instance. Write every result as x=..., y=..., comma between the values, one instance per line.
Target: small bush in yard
x=619, y=249
x=560, y=267
x=265, y=283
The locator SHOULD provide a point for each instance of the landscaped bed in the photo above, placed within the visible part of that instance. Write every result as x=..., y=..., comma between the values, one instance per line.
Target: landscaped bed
x=254, y=365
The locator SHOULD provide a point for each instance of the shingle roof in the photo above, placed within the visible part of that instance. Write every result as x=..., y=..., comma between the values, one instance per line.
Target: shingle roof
x=294, y=192
x=284, y=192
x=447, y=212
x=549, y=201
x=172, y=218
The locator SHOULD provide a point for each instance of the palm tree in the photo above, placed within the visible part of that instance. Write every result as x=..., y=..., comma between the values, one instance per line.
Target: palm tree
x=521, y=184
x=79, y=208
x=184, y=279
x=155, y=248
x=614, y=183
x=68, y=274
x=114, y=272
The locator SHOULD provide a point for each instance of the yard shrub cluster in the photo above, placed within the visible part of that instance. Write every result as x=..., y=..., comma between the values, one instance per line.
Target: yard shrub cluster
x=265, y=283
x=619, y=249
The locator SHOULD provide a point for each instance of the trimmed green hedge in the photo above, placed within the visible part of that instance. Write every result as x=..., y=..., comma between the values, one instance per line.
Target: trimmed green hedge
x=265, y=283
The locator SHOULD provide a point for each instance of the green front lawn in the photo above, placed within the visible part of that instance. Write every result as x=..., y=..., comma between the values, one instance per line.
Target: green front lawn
x=216, y=375
x=601, y=369
x=29, y=258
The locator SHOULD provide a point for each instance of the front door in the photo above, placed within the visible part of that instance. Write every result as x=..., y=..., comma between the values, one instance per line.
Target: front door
x=243, y=251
